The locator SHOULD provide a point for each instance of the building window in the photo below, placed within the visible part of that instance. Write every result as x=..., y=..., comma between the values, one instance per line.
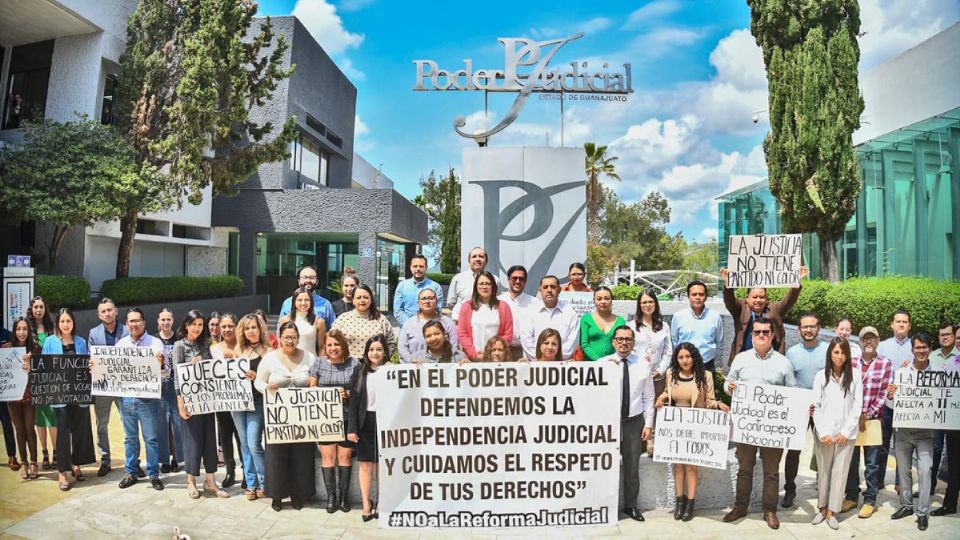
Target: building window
x=109, y=94
x=310, y=162
x=26, y=93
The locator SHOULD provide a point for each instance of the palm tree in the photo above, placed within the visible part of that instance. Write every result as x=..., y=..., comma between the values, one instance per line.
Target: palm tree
x=597, y=163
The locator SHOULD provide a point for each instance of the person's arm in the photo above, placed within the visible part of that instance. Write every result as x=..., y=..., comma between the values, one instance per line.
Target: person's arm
x=666, y=354
x=571, y=335
x=733, y=375
x=790, y=377
x=353, y=409
x=674, y=330
x=453, y=291
x=528, y=338
x=584, y=338
x=329, y=316
x=399, y=313
x=263, y=374
x=439, y=292
x=450, y=328
x=387, y=330
x=731, y=302
x=321, y=325
x=284, y=310
x=648, y=396
x=820, y=416
x=852, y=425
x=506, y=322
x=403, y=345
x=710, y=397
x=465, y=331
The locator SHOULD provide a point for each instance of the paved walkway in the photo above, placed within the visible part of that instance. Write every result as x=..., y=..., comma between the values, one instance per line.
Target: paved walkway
x=97, y=508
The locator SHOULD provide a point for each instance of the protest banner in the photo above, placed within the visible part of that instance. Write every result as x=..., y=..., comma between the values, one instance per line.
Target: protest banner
x=770, y=416
x=926, y=399
x=215, y=385
x=13, y=379
x=295, y=415
x=60, y=378
x=124, y=372
x=692, y=436
x=504, y=445
x=764, y=260
x=580, y=302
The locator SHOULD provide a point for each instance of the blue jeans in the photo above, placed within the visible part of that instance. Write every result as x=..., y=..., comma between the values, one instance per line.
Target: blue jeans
x=141, y=414
x=250, y=429
x=886, y=434
x=169, y=416
x=871, y=475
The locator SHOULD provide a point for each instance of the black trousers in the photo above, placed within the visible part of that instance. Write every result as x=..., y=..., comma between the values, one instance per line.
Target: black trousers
x=74, y=437
x=290, y=470
x=226, y=434
x=953, y=468
x=200, y=442
x=8, y=438
x=631, y=441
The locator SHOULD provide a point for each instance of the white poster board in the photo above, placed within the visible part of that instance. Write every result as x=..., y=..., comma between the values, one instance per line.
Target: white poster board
x=215, y=385
x=13, y=379
x=124, y=372
x=293, y=415
x=927, y=400
x=764, y=260
x=580, y=302
x=770, y=416
x=692, y=436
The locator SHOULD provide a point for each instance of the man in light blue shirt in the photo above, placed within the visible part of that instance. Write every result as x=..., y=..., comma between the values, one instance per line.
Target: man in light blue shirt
x=807, y=358
x=405, y=302
x=699, y=325
x=321, y=306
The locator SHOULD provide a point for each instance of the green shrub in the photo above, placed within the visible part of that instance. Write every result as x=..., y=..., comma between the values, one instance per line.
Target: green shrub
x=149, y=290
x=626, y=292
x=63, y=291
x=443, y=279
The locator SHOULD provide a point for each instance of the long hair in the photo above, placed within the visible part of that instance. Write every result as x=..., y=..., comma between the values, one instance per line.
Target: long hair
x=203, y=340
x=488, y=349
x=69, y=313
x=475, y=299
x=699, y=374
x=546, y=334
x=311, y=316
x=30, y=343
x=656, y=316
x=365, y=364
x=446, y=354
x=242, y=342
x=847, y=368
x=46, y=320
x=337, y=335
x=373, y=313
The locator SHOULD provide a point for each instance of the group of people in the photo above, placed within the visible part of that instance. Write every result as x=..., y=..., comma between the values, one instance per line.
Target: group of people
x=338, y=344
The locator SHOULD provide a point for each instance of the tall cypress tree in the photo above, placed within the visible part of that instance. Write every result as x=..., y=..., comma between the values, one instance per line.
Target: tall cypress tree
x=811, y=54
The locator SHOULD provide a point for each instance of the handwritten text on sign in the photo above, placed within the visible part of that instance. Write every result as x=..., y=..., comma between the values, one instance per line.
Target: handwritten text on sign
x=764, y=260
x=692, y=436
x=13, y=379
x=927, y=400
x=303, y=415
x=579, y=302
x=60, y=378
x=125, y=372
x=770, y=416
x=216, y=385
x=504, y=445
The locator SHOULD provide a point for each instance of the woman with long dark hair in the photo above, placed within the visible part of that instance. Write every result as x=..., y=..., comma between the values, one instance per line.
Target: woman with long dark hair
x=838, y=399
x=438, y=349
x=483, y=317
x=688, y=384
x=22, y=411
x=348, y=284
x=364, y=322
x=41, y=326
x=362, y=420
x=596, y=329
x=312, y=329
x=653, y=341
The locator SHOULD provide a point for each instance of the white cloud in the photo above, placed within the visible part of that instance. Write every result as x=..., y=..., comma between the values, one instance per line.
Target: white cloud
x=596, y=24
x=647, y=148
x=321, y=20
x=350, y=70
x=661, y=40
x=739, y=61
x=709, y=233
x=575, y=130
x=891, y=27
x=651, y=12
x=359, y=127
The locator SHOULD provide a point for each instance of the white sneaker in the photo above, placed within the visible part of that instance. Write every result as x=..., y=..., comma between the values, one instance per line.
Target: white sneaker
x=817, y=519
x=833, y=523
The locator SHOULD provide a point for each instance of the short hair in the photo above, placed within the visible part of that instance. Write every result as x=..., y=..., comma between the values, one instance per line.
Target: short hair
x=426, y=289
x=287, y=325
x=106, y=300
x=550, y=276
x=308, y=267
x=419, y=256
x=696, y=283
x=623, y=327
x=809, y=314
x=136, y=310
x=515, y=268
x=751, y=289
x=578, y=266
x=763, y=320
x=922, y=338
x=901, y=311
x=475, y=248
x=946, y=324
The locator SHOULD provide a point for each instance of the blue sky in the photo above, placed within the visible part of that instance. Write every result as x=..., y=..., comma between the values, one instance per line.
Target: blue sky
x=686, y=131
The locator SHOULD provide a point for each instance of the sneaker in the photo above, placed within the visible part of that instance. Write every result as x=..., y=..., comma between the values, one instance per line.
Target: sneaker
x=847, y=506
x=866, y=511
x=817, y=519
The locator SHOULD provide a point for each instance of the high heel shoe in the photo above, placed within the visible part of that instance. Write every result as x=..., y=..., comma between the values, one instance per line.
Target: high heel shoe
x=34, y=471
x=366, y=517
x=46, y=461
x=78, y=474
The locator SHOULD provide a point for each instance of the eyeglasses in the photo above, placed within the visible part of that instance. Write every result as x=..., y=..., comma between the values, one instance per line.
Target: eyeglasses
x=762, y=332
x=289, y=339
x=623, y=339
x=428, y=299
x=518, y=278
x=309, y=278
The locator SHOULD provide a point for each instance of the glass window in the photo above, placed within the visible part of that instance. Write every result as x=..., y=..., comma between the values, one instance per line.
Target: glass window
x=26, y=93
x=310, y=161
x=109, y=93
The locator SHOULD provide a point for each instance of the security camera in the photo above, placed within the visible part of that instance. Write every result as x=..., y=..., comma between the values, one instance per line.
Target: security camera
x=755, y=118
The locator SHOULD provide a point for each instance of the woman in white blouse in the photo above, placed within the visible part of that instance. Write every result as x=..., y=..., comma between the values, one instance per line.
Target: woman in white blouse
x=838, y=398
x=289, y=466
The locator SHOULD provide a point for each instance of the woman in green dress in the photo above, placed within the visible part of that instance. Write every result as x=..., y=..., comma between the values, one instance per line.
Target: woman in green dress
x=596, y=329
x=41, y=325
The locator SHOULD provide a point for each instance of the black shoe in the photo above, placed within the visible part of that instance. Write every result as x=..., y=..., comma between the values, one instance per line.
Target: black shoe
x=140, y=472
x=156, y=483
x=297, y=503
x=164, y=469
x=633, y=513
x=128, y=481
x=788, y=498
x=277, y=504
x=366, y=518
x=922, y=523
x=343, y=485
x=330, y=483
x=688, y=510
x=902, y=512
x=104, y=469
x=679, y=507
x=228, y=480
x=944, y=511
x=174, y=467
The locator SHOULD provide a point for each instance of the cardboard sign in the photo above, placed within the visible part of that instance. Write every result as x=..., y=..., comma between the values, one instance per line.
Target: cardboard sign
x=13, y=379
x=125, y=372
x=927, y=399
x=580, y=302
x=692, y=436
x=764, y=260
x=216, y=385
x=294, y=415
x=60, y=379
x=770, y=416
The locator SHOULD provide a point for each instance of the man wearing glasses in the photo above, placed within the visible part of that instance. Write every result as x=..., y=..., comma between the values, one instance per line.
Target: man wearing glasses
x=321, y=306
x=518, y=302
x=411, y=343
x=760, y=365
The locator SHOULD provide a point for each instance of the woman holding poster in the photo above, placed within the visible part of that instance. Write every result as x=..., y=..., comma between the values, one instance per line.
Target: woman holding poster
x=596, y=329
x=362, y=421
x=41, y=325
x=497, y=350
x=74, y=434
x=838, y=400
x=22, y=411
x=289, y=466
x=688, y=384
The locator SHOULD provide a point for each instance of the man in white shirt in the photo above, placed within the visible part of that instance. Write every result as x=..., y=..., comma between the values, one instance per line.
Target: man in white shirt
x=548, y=313
x=518, y=302
x=461, y=286
x=636, y=414
x=899, y=351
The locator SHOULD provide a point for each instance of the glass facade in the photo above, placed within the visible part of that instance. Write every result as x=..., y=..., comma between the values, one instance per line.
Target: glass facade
x=26, y=92
x=280, y=256
x=391, y=265
x=310, y=163
x=906, y=220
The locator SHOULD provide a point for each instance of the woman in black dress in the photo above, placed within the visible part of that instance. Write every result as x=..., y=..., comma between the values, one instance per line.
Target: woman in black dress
x=362, y=421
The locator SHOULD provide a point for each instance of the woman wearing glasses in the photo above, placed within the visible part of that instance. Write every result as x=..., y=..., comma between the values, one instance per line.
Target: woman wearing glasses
x=411, y=335
x=483, y=317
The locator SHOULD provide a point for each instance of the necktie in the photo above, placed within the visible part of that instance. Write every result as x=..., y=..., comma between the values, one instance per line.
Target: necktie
x=625, y=395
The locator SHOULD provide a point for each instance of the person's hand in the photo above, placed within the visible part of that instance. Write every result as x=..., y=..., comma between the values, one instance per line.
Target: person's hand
x=273, y=387
x=344, y=394
x=228, y=353
x=813, y=409
x=196, y=360
x=655, y=374
x=891, y=389
x=804, y=272
x=906, y=363
x=826, y=440
x=251, y=374
x=731, y=386
x=465, y=361
x=646, y=433
x=841, y=439
x=352, y=437
x=863, y=422
x=723, y=274
x=724, y=407
x=184, y=413
x=160, y=358
x=91, y=362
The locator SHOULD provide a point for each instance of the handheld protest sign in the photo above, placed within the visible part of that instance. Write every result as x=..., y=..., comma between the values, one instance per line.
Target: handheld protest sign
x=60, y=379
x=215, y=385
x=125, y=372
x=13, y=379
x=927, y=400
x=293, y=415
x=770, y=416
x=764, y=260
x=692, y=436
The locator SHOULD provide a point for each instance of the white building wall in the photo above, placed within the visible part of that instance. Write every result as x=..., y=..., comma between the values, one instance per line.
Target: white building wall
x=365, y=175
x=153, y=259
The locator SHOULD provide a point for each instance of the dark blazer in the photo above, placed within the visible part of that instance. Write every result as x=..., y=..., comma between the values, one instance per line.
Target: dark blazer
x=357, y=404
x=740, y=312
x=340, y=307
x=98, y=334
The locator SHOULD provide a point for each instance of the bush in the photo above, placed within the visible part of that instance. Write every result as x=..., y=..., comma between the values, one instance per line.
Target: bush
x=63, y=291
x=441, y=278
x=626, y=292
x=148, y=290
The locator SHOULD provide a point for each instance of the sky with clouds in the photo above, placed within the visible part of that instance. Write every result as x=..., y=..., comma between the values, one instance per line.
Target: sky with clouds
x=686, y=131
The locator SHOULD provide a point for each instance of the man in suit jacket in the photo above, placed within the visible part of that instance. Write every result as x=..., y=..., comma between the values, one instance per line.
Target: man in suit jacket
x=108, y=332
x=756, y=305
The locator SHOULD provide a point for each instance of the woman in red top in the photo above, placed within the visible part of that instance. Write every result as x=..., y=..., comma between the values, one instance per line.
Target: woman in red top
x=576, y=274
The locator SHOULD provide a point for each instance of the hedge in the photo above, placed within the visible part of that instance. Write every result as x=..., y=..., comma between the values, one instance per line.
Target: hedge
x=441, y=278
x=63, y=291
x=148, y=290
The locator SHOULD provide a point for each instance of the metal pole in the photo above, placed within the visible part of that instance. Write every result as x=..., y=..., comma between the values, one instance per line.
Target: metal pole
x=633, y=266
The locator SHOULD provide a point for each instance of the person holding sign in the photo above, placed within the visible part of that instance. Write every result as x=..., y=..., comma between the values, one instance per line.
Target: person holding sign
x=141, y=414
x=362, y=421
x=226, y=430
x=636, y=415
x=252, y=345
x=482, y=317
x=699, y=325
x=949, y=505
x=438, y=348
x=74, y=436
x=837, y=405
x=108, y=332
x=596, y=329
x=199, y=430
x=575, y=276
x=760, y=365
x=687, y=385
x=548, y=346
x=312, y=328
x=289, y=467
x=411, y=334
x=337, y=369
x=364, y=322
x=170, y=417
x=22, y=412
x=910, y=440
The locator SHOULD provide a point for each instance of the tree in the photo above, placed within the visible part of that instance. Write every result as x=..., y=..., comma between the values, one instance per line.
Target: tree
x=190, y=77
x=811, y=53
x=73, y=174
x=638, y=231
x=440, y=199
x=597, y=163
